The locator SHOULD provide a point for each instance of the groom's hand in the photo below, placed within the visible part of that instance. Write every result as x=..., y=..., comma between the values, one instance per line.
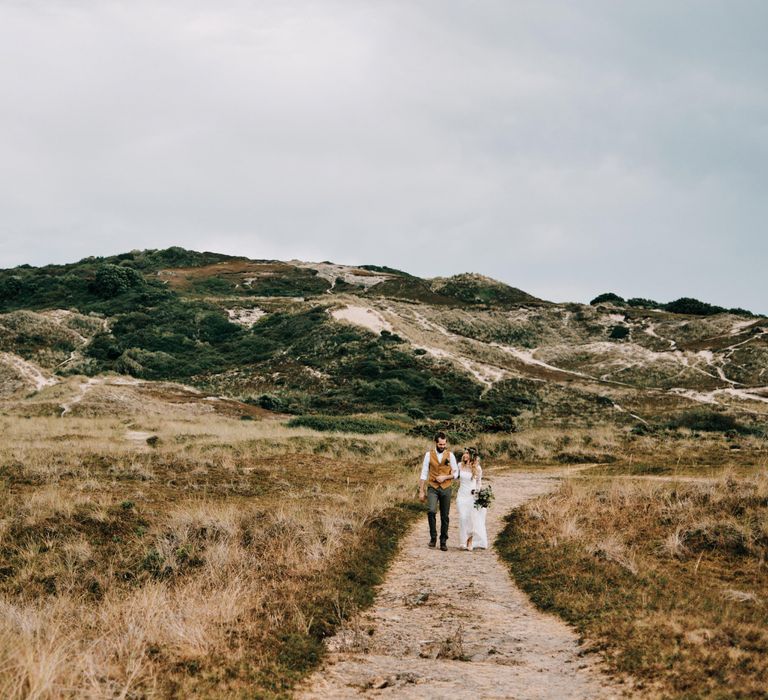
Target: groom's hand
x=422, y=497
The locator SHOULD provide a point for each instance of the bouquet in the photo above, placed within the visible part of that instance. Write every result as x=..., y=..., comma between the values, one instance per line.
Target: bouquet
x=483, y=497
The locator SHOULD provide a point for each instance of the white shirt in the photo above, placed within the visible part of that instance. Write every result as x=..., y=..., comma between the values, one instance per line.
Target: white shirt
x=425, y=466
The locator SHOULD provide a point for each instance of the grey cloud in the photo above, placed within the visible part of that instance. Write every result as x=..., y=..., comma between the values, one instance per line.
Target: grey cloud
x=564, y=148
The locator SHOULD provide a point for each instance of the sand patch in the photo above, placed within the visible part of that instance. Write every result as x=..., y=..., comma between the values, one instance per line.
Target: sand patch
x=27, y=372
x=245, y=317
x=363, y=316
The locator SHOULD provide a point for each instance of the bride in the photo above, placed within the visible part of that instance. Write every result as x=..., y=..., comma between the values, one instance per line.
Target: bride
x=471, y=520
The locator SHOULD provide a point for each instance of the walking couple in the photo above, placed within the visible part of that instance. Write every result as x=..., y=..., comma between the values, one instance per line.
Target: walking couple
x=438, y=472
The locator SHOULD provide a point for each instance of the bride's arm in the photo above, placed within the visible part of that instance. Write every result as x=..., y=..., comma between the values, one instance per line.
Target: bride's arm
x=479, y=476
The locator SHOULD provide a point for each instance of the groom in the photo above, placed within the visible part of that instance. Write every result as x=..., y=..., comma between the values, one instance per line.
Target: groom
x=438, y=470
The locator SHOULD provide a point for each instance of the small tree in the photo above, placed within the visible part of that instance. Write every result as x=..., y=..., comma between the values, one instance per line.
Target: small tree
x=608, y=297
x=619, y=332
x=10, y=288
x=687, y=305
x=639, y=302
x=111, y=280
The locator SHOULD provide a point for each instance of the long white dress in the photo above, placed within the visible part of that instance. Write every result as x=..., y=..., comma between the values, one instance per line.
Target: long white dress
x=471, y=519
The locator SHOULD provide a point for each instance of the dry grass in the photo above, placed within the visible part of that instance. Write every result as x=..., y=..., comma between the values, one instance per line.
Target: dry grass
x=611, y=450
x=667, y=576
x=210, y=565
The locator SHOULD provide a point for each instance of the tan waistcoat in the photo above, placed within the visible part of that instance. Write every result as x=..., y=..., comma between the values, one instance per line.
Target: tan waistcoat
x=438, y=469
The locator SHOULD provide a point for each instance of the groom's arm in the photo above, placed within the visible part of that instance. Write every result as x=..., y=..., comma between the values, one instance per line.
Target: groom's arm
x=454, y=467
x=423, y=477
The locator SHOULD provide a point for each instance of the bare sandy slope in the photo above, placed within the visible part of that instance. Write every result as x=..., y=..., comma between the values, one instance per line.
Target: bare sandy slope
x=454, y=625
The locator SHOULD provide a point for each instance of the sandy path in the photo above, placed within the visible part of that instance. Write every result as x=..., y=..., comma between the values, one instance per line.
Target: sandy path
x=28, y=371
x=437, y=606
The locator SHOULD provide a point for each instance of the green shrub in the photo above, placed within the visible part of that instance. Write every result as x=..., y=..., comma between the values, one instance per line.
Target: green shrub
x=291, y=282
x=10, y=287
x=608, y=297
x=465, y=428
x=441, y=415
x=345, y=424
x=389, y=337
x=710, y=421
x=434, y=391
x=687, y=305
x=638, y=302
x=269, y=402
x=111, y=280
x=618, y=333
x=213, y=285
x=384, y=268
x=509, y=397
x=738, y=311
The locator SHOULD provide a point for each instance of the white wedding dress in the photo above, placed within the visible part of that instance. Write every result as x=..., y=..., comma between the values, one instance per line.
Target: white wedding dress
x=471, y=519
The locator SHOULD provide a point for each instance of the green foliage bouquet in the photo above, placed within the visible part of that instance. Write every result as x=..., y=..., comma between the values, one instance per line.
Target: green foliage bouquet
x=483, y=497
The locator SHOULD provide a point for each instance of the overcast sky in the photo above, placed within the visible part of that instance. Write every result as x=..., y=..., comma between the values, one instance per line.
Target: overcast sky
x=566, y=148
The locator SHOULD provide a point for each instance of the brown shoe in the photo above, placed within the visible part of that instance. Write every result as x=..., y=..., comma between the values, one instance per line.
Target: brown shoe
x=443, y=546
x=432, y=543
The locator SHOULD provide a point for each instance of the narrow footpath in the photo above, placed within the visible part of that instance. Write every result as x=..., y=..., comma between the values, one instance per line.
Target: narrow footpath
x=454, y=625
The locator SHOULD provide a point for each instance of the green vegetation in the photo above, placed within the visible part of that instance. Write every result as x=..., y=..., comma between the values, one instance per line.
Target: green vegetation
x=412, y=289
x=607, y=297
x=192, y=340
x=476, y=289
x=684, y=305
x=347, y=424
x=464, y=428
x=711, y=421
x=291, y=282
x=619, y=333
x=639, y=302
x=105, y=284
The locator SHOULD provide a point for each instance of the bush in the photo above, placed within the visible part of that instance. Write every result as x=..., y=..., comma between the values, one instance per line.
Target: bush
x=638, y=302
x=389, y=337
x=618, y=332
x=738, y=311
x=459, y=429
x=112, y=280
x=213, y=285
x=434, y=391
x=10, y=288
x=687, y=305
x=345, y=424
x=608, y=297
x=269, y=402
x=509, y=397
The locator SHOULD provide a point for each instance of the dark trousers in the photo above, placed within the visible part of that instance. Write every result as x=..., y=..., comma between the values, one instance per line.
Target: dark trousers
x=443, y=498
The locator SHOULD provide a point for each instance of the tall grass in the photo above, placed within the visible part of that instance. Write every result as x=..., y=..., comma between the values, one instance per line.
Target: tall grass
x=668, y=577
x=209, y=565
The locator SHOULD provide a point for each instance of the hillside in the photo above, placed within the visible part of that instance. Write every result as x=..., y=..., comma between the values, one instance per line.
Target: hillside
x=297, y=337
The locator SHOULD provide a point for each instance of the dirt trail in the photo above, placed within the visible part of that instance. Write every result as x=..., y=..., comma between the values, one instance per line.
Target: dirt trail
x=436, y=608
x=28, y=371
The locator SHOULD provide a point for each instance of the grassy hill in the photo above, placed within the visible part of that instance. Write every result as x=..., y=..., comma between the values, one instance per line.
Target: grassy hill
x=279, y=335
